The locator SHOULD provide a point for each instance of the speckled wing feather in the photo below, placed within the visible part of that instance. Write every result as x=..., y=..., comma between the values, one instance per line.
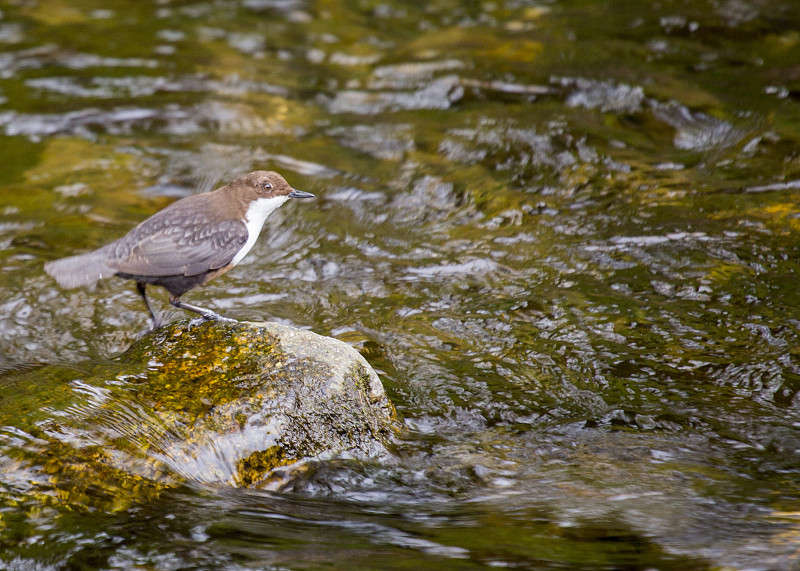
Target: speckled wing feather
x=182, y=239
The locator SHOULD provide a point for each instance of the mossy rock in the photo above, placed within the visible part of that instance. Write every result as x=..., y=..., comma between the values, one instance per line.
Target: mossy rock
x=216, y=403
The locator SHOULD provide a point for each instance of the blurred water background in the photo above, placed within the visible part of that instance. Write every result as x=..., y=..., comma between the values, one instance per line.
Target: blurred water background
x=565, y=233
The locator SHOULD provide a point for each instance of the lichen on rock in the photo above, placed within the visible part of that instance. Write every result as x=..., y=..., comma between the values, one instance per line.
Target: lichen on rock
x=215, y=403
x=239, y=390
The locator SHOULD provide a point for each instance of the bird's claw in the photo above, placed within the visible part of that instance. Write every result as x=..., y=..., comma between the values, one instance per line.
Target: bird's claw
x=210, y=316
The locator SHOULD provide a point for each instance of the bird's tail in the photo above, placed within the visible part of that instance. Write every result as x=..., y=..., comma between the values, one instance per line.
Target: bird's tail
x=77, y=271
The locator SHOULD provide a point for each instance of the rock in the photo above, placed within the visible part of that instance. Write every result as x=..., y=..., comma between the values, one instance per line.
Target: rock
x=232, y=404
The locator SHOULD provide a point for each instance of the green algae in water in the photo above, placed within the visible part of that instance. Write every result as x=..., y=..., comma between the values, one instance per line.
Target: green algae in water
x=566, y=234
x=220, y=404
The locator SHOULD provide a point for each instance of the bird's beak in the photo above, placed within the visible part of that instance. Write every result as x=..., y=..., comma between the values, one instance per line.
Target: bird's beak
x=300, y=194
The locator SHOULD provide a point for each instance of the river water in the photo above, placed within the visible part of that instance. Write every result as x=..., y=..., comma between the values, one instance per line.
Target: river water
x=566, y=234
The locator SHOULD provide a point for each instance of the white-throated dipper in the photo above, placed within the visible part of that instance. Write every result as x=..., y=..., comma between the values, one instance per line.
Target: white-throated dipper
x=188, y=243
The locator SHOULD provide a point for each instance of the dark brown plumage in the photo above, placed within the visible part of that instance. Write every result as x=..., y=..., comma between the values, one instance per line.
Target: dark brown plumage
x=186, y=244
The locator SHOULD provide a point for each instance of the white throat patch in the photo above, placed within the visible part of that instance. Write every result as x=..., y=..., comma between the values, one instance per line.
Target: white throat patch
x=257, y=213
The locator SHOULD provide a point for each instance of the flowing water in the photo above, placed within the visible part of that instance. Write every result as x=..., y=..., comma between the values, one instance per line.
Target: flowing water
x=565, y=233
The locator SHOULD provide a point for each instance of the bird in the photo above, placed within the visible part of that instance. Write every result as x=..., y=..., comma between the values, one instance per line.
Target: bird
x=188, y=243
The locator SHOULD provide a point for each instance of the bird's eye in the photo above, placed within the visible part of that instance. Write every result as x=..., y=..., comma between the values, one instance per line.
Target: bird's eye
x=266, y=186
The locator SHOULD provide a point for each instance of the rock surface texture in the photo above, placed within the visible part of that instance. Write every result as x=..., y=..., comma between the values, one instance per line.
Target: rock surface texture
x=231, y=404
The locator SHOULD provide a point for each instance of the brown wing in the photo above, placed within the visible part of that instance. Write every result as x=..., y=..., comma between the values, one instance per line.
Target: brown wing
x=182, y=239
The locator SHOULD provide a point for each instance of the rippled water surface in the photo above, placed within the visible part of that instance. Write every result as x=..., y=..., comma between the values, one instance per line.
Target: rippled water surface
x=566, y=234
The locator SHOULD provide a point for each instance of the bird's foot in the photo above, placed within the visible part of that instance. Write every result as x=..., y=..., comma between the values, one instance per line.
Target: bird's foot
x=206, y=314
x=209, y=316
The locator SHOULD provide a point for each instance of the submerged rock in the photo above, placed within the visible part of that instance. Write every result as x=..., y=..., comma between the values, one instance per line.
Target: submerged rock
x=218, y=403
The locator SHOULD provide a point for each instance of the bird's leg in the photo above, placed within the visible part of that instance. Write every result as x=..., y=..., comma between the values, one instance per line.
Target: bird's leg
x=205, y=313
x=140, y=287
